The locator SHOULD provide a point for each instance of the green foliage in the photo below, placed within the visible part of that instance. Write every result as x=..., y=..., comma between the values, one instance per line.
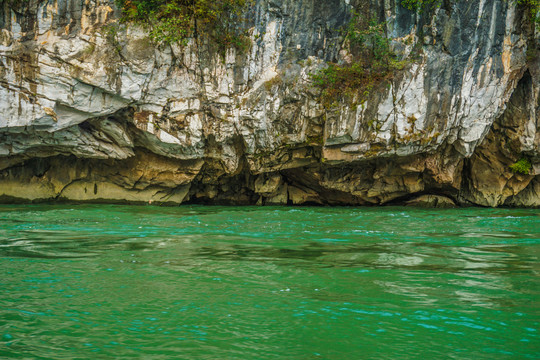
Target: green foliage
x=522, y=166
x=177, y=20
x=337, y=81
x=111, y=34
x=371, y=38
x=534, y=10
x=275, y=81
x=373, y=63
x=419, y=4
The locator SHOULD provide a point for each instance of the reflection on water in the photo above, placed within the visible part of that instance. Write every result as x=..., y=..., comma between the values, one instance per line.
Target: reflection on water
x=245, y=282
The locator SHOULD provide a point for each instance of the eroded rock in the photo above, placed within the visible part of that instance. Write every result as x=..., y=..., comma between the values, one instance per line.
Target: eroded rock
x=432, y=201
x=87, y=102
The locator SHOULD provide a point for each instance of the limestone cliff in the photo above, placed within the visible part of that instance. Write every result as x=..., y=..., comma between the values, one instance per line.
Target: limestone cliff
x=94, y=110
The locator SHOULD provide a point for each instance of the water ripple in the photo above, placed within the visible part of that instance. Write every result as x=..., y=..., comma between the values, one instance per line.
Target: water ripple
x=122, y=282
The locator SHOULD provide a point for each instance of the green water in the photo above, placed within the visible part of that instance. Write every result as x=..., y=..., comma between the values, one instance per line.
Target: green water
x=193, y=282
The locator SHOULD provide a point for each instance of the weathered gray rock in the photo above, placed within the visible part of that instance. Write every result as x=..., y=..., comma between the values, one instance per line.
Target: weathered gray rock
x=432, y=201
x=86, y=103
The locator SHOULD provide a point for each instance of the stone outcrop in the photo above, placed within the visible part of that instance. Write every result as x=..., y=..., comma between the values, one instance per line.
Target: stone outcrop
x=94, y=110
x=432, y=201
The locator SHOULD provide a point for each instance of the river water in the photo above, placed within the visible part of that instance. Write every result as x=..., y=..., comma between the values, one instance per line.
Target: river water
x=205, y=282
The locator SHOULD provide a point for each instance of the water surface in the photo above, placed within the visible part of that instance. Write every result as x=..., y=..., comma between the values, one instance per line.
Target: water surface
x=194, y=282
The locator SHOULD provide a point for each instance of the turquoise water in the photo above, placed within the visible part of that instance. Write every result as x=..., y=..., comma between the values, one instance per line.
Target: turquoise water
x=194, y=282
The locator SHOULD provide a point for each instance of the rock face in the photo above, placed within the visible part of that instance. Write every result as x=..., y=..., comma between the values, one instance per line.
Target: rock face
x=93, y=110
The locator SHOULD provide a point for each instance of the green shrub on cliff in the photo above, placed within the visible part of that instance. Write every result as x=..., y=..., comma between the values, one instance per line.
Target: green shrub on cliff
x=522, y=166
x=533, y=6
x=418, y=4
x=372, y=62
x=177, y=20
